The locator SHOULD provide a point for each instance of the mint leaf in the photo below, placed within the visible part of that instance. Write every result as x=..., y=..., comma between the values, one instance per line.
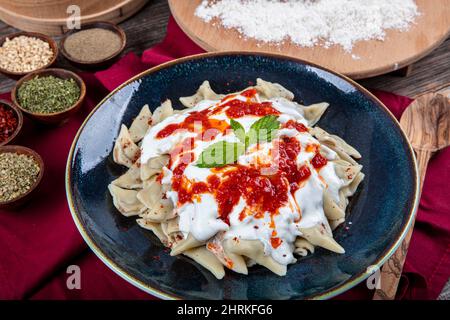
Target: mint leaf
x=220, y=154
x=238, y=129
x=263, y=130
x=268, y=122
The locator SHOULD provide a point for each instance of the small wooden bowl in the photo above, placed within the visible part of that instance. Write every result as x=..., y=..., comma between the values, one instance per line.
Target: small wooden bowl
x=102, y=63
x=17, y=202
x=49, y=40
x=56, y=117
x=19, y=117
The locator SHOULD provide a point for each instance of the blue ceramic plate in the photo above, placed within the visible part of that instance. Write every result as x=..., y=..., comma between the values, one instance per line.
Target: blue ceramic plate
x=381, y=212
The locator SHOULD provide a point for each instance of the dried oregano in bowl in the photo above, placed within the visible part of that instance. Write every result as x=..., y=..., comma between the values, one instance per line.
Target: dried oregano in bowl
x=48, y=94
x=18, y=174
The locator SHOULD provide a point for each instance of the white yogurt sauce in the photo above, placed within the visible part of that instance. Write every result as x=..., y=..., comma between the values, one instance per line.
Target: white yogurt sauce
x=200, y=217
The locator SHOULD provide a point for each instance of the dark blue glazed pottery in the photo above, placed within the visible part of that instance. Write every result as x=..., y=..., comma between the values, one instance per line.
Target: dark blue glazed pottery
x=380, y=213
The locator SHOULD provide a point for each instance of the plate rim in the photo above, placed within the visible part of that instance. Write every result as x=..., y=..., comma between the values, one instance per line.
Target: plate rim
x=328, y=294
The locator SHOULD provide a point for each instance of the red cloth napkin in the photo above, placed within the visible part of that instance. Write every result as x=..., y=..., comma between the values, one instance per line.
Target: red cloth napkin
x=40, y=241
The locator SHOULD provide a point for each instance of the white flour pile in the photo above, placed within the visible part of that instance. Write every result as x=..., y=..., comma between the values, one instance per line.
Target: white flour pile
x=311, y=22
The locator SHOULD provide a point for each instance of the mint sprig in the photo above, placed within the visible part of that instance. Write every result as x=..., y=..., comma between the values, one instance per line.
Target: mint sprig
x=222, y=153
x=238, y=129
x=263, y=130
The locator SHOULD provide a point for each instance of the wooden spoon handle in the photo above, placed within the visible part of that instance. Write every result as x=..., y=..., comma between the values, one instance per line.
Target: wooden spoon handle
x=423, y=157
x=392, y=269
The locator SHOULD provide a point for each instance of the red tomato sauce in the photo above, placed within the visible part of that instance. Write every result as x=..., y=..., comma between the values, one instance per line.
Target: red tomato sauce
x=291, y=124
x=184, y=151
x=275, y=242
x=238, y=109
x=195, y=121
x=250, y=93
x=285, y=155
x=263, y=193
x=319, y=161
x=233, y=109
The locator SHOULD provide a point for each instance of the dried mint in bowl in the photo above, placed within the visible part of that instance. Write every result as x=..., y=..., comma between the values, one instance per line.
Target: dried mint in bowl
x=48, y=94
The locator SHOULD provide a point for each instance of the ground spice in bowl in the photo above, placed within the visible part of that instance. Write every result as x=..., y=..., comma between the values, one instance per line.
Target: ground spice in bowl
x=48, y=94
x=18, y=174
x=92, y=45
x=25, y=54
x=8, y=123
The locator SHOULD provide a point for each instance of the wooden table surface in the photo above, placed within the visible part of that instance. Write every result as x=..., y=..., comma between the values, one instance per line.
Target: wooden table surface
x=148, y=27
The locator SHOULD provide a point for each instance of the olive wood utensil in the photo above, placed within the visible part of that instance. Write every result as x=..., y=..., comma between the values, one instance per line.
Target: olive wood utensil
x=426, y=123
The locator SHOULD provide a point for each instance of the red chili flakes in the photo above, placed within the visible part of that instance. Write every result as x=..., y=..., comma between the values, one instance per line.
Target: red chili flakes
x=322, y=230
x=8, y=123
x=137, y=156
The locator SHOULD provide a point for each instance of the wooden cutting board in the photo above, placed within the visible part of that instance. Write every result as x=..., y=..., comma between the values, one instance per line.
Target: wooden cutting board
x=399, y=49
x=49, y=16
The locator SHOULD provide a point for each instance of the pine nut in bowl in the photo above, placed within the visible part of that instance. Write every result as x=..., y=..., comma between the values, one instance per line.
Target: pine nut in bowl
x=96, y=45
x=49, y=96
x=11, y=121
x=25, y=52
x=21, y=171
